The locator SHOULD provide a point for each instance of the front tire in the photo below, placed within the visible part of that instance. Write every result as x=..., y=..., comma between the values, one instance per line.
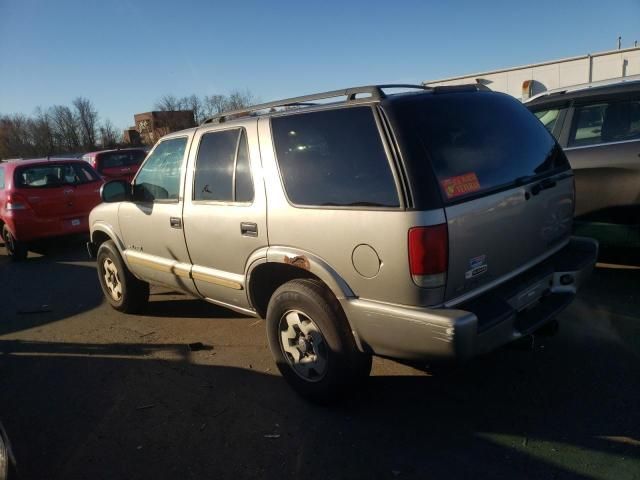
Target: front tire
x=17, y=250
x=311, y=341
x=121, y=288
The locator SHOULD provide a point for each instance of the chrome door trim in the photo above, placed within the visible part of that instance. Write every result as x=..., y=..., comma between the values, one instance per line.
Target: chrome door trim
x=158, y=263
x=602, y=144
x=217, y=277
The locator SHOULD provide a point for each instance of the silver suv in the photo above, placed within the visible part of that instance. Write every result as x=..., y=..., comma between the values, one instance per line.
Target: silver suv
x=433, y=223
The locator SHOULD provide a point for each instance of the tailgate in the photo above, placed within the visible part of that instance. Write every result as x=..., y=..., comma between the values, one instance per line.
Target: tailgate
x=506, y=185
x=493, y=238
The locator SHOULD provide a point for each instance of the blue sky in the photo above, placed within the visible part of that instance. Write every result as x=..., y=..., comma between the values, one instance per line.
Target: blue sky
x=125, y=54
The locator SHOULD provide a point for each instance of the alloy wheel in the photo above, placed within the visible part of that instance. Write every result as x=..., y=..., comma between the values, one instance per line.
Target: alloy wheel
x=303, y=345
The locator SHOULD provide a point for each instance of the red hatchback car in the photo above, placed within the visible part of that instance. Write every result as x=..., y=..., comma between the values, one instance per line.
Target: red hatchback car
x=122, y=164
x=45, y=198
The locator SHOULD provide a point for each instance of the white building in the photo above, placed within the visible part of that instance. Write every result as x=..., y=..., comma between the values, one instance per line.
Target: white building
x=528, y=80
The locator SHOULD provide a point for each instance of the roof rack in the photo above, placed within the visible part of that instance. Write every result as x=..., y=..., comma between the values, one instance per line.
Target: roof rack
x=375, y=92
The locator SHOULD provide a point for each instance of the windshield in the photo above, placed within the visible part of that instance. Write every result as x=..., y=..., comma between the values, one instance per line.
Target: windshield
x=477, y=142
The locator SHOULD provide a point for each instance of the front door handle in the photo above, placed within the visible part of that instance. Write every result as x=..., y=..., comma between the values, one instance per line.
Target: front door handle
x=175, y=222
x=249, y=229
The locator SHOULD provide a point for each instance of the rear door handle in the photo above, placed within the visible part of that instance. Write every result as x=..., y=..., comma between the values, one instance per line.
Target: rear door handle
x=249, y=229
x=175, y=222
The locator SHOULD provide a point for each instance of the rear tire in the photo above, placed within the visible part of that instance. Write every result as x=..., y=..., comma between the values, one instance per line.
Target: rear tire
x=120, y=287
x=17, y=250
x=311, y=341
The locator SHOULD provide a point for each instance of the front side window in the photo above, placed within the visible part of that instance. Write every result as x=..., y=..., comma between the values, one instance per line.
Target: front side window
x=605, y=122
x=334, y=158
x=223, y=173
x=1, y=177
x=159, y=177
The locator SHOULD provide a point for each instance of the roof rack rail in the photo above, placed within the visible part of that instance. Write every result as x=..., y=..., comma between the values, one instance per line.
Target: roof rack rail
x=375, y=92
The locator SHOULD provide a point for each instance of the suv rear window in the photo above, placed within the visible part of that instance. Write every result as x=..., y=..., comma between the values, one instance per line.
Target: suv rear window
x=120, y=159
x=51, y=176
x=477, y=142
x=334, y=158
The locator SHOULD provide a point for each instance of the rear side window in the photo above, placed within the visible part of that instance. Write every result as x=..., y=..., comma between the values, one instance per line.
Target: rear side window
x=120, y=159
x=159, y=177
x=605, y=122
x=477, y=142
x=334, y=158
x=223, y=172
x=52, y=176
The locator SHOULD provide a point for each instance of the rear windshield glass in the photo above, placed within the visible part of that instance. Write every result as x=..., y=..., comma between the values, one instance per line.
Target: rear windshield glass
x=478, y=142
x=50, y=176
x=120, y=159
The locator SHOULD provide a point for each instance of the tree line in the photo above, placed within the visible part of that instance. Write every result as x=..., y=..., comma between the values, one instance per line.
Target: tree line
x=208, y=105
x=77, y=128
x=60, y=129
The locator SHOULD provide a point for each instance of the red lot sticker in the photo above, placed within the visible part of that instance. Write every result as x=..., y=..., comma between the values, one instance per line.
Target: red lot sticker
x=460, y=185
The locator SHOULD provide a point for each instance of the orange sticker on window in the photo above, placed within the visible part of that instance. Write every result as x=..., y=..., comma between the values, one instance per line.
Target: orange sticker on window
x=461, y=185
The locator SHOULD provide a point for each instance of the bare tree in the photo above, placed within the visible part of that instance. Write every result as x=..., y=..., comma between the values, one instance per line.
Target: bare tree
x=214, y=104
x=42, y=134
x=238, y=100
x=65, y=128
x=168, y=103
x=109, y=136
x=196, y=105
x=15, y=140
x=87, y=120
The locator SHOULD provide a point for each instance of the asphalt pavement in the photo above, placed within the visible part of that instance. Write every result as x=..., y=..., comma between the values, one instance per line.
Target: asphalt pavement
x=88, y=392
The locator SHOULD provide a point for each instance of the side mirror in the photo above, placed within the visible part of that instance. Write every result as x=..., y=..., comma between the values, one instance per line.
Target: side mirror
x=115, y=191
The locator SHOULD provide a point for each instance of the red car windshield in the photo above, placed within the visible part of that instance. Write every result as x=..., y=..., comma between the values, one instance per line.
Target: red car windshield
x=50, y=176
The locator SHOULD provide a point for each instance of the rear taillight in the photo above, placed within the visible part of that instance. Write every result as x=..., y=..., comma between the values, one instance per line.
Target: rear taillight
x=15, y=202
x=429, y=255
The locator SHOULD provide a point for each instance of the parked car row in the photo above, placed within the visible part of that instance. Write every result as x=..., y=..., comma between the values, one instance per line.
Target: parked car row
x=52, y=197
x=426, y=225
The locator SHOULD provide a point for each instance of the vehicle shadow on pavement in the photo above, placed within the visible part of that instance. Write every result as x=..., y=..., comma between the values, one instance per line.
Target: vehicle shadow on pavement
x=41, y=290
x=126, y=411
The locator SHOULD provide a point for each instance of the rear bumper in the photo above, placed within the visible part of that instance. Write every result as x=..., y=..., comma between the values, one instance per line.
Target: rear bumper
x=26, y=227
x=515, y=308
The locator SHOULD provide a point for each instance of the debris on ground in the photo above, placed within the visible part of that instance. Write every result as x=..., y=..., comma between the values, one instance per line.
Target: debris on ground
x=145, y=407
x=272, y=435
x=197, y=346
x=28, y=311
